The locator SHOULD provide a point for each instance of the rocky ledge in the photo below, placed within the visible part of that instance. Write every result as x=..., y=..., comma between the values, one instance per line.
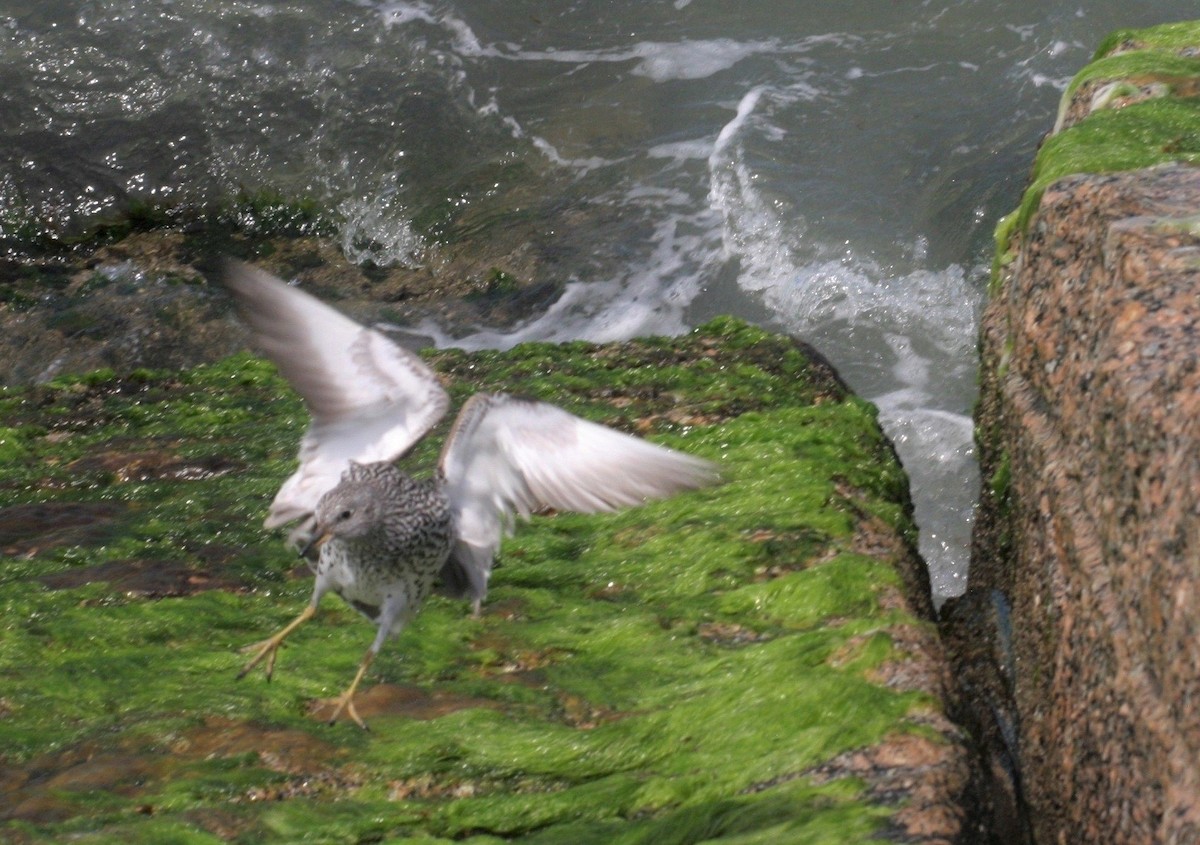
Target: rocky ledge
x=753, y=662
x=1077, y=637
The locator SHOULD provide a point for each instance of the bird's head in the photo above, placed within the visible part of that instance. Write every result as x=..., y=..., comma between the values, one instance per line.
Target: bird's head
x=349, y=511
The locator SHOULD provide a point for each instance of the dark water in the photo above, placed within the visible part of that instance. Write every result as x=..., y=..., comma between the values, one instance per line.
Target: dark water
x=833, y=170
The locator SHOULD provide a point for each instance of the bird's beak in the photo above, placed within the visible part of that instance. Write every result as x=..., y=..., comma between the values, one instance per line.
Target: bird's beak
x=315, y=543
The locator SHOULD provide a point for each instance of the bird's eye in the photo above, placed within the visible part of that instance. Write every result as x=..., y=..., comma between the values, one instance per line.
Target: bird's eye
x=344, y=515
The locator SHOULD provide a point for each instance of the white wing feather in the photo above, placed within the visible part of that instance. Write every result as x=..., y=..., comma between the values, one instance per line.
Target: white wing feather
x=509, y=456
x=369, y=399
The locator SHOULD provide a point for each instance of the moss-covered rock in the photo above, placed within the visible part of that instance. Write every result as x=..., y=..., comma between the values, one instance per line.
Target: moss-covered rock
x=1086, y=383
x=749, y=663
x=1137, y=104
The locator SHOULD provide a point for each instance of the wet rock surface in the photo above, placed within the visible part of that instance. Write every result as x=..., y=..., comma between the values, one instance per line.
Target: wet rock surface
x=1090, y=535
x=911, y=773
x=30, y=529
x=149, y=298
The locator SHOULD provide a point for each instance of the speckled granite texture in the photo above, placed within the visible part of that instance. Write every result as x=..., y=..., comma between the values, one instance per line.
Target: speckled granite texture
x=1089, y=538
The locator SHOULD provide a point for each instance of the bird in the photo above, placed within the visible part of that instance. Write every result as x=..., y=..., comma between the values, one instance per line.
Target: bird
x=383, y=540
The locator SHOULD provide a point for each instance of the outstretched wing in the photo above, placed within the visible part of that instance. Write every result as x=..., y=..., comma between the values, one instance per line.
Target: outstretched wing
x=369, y=399
x=508, y=456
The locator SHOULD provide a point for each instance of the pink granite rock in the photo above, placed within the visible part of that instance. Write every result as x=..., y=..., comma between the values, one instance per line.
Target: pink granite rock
x=1090, y=528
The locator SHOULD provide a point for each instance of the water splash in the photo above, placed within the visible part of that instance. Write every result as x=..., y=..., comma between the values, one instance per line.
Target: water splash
x=919, y=322
x=376, y=230
x=647, y=297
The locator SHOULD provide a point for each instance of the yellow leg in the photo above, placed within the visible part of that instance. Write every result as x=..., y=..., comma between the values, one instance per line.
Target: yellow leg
x=346, y=700
x=269, y=647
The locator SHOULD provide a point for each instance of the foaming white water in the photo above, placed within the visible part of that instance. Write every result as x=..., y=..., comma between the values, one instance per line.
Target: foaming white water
x=846, y=302
x=729, y=131
x=695, y=59
x=399, y=14
x=658, y=60
x=937, y=449
x=927, y=321
x=650, y=297
x=581, y=165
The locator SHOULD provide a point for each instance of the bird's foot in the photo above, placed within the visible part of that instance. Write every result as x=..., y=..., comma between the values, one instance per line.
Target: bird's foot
x=269, y=648
x=345, y=702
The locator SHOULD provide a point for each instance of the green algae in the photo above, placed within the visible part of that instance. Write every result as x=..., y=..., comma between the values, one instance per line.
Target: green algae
x=665, y=674
x=1143, y=134
x=1169, y=37
x=1159, y=130
x=1141, y=66
x=268, y=213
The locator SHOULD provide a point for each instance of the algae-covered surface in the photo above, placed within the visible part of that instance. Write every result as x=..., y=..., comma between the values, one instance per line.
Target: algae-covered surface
x=674, y=673
x=1138, y=105
x=1139, y=101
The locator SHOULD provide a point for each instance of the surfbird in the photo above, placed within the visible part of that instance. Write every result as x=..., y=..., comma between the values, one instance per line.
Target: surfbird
x=383, y=540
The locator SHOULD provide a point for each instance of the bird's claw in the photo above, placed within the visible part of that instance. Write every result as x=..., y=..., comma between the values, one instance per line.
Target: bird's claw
x=345, y=701
x=268, y=649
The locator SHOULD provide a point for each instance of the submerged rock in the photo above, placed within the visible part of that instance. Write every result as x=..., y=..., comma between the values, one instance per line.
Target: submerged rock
x=129, y=290
x=142, y=299
x=754, y=660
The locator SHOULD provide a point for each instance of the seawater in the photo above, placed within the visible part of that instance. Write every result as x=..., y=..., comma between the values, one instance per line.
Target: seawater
x=832, y=170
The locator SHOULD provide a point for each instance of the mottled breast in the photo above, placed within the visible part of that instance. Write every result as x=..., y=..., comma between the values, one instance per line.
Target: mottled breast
x=402, y=554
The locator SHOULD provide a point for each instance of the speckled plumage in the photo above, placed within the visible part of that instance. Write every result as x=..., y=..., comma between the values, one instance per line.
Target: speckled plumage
x=384, y=538
x=386, y=570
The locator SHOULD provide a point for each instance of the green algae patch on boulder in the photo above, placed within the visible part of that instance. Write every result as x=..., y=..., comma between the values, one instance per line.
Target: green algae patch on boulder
x=1177, y=37
x=1137, y=104
x=682, y=672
